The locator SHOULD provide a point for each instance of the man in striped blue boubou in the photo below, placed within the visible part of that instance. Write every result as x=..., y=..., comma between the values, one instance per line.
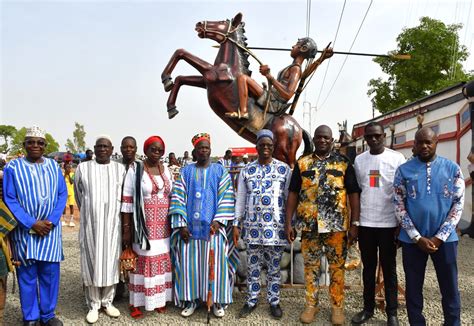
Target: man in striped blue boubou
x=202, y=211
x=35, y=192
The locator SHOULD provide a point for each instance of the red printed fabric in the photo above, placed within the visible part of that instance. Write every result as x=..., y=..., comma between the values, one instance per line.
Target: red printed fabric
x=149, y=292
x=150, y=266
x=156, y=217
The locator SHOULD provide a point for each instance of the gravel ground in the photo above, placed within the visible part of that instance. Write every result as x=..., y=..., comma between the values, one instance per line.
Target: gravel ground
x=71, y=308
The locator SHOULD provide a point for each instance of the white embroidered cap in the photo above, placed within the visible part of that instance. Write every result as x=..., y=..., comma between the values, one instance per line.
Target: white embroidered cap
x=104, y=137
x=35, y=131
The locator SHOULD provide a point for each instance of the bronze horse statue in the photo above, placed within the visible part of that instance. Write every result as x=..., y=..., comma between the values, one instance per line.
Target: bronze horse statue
x=220, y=80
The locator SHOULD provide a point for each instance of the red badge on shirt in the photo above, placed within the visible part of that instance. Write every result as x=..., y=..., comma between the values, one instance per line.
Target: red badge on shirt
x=374, y=176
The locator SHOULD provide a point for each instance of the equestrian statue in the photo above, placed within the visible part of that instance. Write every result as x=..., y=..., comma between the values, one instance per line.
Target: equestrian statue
x=240, y=101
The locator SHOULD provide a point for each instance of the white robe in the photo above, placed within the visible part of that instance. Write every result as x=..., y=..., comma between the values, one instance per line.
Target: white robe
x=98, y=189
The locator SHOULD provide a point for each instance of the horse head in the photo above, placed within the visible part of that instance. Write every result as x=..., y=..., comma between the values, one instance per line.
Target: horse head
x=221, y=30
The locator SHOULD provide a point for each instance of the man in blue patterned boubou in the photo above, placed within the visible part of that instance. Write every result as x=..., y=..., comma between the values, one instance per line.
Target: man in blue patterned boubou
x=260, y=215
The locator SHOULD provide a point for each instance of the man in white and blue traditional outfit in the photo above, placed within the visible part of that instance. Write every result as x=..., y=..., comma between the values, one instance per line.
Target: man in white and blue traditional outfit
x=35, y=192
x=260, y=214
x=98, y=190
x=202, y=213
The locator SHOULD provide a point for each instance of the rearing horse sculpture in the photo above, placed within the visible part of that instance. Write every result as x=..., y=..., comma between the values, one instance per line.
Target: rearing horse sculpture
x=220, y=80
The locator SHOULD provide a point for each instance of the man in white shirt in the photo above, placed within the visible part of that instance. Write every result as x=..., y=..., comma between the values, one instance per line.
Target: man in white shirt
x=375, y=171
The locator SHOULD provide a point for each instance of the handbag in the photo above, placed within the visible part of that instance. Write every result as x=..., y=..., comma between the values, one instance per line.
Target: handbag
x=128, y=261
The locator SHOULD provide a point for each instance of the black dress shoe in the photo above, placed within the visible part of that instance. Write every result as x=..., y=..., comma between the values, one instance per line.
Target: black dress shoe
x=276, y=311
x=392, y=320
x=246, y=310
x=52, y=322
x=31, y=323
x=362, y=317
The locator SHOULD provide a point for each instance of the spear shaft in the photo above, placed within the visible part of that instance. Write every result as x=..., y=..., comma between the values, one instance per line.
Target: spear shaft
x=393, y=56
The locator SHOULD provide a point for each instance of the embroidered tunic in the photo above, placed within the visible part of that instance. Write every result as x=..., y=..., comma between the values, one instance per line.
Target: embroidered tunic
x=261, y=202
x=151, y=284
x=35, y=191
x=200, y=196
x=98, y=189
x=429, y=198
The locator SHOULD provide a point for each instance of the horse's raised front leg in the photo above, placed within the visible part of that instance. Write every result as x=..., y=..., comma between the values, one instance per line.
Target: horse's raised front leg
x=181, y=54
x=196, y=81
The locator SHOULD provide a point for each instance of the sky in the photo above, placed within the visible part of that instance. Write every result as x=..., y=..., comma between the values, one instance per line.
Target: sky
x=99, y=63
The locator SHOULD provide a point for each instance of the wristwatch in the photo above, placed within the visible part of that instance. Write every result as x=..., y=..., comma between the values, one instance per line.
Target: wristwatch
x=416, y=238
x=356, y=223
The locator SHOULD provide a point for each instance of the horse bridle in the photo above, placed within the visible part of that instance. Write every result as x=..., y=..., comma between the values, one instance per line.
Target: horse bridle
x=226, y=35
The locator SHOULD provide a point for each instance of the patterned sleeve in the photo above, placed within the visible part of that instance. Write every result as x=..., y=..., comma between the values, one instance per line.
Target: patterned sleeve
x=455, y=212
x=225, y=200
x=241, y=199
x=287, y=181
x=128, y=190
x=177, y=210
x=400, y=194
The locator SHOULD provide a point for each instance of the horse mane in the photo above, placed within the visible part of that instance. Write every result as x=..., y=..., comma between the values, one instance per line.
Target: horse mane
x=241, y=39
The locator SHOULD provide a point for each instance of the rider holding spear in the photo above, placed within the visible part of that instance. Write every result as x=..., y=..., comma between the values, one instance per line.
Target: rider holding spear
x=286, y=83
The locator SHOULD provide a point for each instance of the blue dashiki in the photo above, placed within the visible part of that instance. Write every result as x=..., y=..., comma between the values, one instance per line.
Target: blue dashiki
x=261, y=202
x=201, y=196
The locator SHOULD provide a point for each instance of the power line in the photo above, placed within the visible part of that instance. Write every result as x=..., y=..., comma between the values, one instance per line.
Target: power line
x=333, y=44
x=347, y=56
x=308, y=25
x=452, y=74
x=467, y=23
x=308, y=17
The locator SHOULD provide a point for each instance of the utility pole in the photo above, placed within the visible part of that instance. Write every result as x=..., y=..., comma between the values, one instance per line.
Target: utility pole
x=308, y=111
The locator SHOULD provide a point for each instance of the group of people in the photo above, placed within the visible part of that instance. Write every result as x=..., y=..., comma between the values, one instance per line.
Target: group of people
x=183, y=225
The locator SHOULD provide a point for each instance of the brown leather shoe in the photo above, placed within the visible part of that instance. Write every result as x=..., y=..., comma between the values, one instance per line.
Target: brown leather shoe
x=337, y=316
x=309, y=314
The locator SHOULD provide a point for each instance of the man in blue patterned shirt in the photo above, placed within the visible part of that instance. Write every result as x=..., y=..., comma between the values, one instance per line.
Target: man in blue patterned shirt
x=36, y=193
x=260, y=213
x=429, y=197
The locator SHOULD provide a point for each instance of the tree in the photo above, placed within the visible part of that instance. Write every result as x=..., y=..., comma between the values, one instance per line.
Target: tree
x=78, y=143
x=17, y=143
x=436, y=63
x=7, y=132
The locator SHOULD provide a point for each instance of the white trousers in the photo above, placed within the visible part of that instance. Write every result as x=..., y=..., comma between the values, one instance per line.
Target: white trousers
x=100, y=296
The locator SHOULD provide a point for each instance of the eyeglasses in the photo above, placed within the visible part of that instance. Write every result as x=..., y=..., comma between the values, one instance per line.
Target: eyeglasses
x=156, y=150
x=31, y=142
x=376, y=136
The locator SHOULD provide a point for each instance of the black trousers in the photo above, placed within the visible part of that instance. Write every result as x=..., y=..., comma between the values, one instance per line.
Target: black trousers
x=381, y=241
x=445, y=264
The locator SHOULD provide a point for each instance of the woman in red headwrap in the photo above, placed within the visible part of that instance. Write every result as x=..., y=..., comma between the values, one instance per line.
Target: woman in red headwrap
x=146, y=227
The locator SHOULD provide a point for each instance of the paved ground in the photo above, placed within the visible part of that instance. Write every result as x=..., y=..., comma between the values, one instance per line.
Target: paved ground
x=72, y=309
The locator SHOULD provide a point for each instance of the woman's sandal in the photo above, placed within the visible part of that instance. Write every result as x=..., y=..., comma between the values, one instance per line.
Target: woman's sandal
x=135, y=312
x=161, y=310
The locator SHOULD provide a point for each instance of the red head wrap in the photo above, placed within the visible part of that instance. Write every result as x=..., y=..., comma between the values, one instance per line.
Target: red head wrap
x=152, y=140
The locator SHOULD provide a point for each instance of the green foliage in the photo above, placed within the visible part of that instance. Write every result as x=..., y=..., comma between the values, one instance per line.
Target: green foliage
x=17, y=143
x=78, y=143
x=51, y=144
x=436, y=63
x=7, y=132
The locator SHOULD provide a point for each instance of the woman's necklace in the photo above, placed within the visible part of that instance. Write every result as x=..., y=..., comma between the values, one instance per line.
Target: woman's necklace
x=156, y=189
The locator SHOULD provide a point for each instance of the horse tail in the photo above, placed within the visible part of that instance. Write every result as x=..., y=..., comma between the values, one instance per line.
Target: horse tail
x=308, y=144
